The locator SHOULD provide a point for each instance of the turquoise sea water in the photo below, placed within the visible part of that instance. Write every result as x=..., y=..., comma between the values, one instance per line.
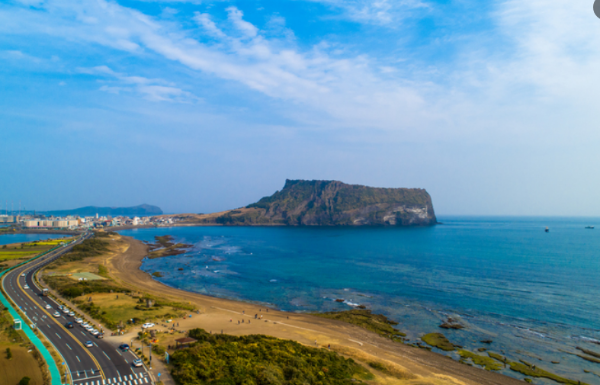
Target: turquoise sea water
x=535, y=294
x=6, y=239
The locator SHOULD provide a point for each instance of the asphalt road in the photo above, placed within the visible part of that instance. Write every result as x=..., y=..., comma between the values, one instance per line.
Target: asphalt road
x=97, y=365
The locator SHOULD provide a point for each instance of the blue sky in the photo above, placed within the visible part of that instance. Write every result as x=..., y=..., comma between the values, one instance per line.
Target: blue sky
x=200, y=106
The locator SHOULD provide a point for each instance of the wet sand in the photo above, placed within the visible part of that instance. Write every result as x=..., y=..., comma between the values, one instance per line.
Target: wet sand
x=216, y=315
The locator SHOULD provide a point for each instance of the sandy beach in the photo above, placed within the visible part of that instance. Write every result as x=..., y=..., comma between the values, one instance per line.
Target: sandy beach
x=221, y=315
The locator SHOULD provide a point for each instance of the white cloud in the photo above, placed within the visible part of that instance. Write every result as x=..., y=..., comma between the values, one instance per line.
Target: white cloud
x=205, y=21
x=236, y=18
x=383, y=12
x=156, y=90
x=542, y=60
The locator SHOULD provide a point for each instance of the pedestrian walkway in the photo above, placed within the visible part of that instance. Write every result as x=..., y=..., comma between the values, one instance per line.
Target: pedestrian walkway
x=132, y=379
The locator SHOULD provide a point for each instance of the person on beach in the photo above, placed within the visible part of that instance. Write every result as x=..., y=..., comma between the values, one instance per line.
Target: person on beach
x=255, y=316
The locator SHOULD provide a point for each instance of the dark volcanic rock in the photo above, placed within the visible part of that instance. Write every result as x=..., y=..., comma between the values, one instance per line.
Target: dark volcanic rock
x=451, y=323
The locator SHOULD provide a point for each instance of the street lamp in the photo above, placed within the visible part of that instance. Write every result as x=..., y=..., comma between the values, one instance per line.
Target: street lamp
x=150, y=361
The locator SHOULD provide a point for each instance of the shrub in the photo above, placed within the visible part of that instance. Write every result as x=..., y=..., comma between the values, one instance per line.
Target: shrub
x=24, y=381
x=258, y=359
x=8, y=354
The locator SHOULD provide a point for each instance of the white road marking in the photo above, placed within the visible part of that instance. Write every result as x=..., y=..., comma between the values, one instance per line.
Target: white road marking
x=79, y=360
x=106, y=355
x=58, y=336
x=68, y=346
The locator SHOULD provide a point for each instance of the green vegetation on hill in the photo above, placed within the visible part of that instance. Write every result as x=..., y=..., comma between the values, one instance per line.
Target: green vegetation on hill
x=88, y=248
x=257, y=359
x=71, y=288
x=377, y=323
x=333, y=203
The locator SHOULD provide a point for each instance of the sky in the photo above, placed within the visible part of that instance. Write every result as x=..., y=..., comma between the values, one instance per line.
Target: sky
x=206, y=105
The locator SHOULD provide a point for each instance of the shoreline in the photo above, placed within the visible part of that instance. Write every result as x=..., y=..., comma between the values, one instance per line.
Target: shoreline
x=218, y=313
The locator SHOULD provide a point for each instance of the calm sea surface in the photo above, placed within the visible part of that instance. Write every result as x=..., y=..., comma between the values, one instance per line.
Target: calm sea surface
x=5, y=239
x=535, y=294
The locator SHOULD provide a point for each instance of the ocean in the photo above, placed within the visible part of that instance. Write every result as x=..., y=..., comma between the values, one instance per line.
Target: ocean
x=6, y=239
x=536, y=295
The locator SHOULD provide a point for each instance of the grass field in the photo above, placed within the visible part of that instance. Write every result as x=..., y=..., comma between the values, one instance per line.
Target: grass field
x=90, y=262
x=22, y=362
x=113, y=310
x=29, y=249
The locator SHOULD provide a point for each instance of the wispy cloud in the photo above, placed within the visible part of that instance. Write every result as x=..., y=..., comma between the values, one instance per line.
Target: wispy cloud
x=157, y=90
x=383, y=12
x=346, y=89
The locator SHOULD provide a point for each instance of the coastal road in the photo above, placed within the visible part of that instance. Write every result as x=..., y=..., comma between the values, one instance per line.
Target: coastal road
x=100, y=364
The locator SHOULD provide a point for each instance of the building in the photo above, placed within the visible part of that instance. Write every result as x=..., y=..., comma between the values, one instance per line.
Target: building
x=7, y=219
x=51, y=223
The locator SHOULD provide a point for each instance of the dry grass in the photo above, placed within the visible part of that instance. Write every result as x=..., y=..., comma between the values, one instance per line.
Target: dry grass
x=20, y=365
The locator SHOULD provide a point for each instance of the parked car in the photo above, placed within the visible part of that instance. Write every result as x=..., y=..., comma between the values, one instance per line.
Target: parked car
x=60, y=307
x=71, y=314
x=100, y=336
x=124, y=347
x=65, y=310
x=137, y=362
x=78, y=320
x=89, y=344
x=148, y=325
x=94, y=332
x=69, y=325
x=85, y=325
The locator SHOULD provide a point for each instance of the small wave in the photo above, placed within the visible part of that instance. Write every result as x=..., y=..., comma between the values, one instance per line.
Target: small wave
x=273, y=280
x=351, y=303
x=593, y=340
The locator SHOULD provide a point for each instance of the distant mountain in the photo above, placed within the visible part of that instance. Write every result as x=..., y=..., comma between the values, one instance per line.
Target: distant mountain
x=141, y=210
x=330, y=203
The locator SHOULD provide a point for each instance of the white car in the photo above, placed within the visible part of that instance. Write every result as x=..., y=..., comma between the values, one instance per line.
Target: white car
x=72, y=314
x=78, y=320
x=25, y=287
x=60, y=307
x=89, y=344
x=48, y=307
x=137, y=362
x=23, y=275
x=89, y=328
x=65, y=310
x=94, y=332
x=85, y=325
x=148, y=325
x=56, y=314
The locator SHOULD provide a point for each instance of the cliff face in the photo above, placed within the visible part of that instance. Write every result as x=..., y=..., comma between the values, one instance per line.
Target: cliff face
x=333, y=203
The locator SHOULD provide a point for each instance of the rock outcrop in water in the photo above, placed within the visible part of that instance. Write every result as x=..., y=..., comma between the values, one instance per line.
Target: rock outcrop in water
x=333, y=203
